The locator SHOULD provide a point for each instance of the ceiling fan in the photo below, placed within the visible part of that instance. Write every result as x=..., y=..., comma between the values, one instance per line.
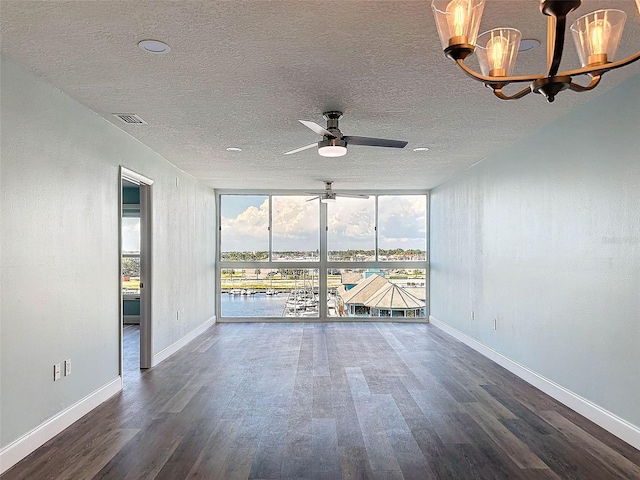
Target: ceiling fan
x=330, y=196
x=334, y=144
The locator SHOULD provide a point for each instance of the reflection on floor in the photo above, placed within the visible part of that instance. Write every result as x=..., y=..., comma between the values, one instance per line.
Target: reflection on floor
x=131, y=351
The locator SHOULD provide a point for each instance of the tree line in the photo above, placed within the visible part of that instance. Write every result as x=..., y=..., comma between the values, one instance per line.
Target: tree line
x=334, y=254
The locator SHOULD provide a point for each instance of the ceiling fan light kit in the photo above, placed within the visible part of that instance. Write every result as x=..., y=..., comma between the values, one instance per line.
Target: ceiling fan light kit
x=596, y=36
x=332, y=147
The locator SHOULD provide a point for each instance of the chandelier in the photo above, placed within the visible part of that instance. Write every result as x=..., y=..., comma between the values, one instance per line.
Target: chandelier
x=596, y=36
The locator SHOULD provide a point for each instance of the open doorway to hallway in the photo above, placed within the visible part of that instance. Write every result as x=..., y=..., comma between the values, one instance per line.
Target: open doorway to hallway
x=135, y=269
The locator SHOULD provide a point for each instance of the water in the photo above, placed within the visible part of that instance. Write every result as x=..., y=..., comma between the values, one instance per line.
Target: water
x=258, y=305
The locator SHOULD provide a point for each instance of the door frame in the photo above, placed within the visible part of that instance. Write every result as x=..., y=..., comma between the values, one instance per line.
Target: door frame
x=146, y=324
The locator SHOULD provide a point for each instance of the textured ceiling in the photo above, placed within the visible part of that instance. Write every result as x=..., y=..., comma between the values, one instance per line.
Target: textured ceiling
x=241, y=73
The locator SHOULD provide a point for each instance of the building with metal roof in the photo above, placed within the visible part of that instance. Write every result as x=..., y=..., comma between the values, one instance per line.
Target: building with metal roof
x=376, y=296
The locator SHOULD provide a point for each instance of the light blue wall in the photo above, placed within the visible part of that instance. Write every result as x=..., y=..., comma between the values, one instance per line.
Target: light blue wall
x=545, y=236
x=59, y=217
x=131, y=195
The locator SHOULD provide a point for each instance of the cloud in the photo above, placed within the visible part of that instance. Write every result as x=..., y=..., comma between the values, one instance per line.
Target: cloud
x=295, y=223
x=249, y=230
x=402, y=222
x=294, y=217
x=295, y=226
x=131, y=234
x=351, y=224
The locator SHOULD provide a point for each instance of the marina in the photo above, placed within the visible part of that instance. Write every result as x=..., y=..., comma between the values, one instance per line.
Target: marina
x=350, y=293
x=257, y=305
x=297, y=303
x=301, y=303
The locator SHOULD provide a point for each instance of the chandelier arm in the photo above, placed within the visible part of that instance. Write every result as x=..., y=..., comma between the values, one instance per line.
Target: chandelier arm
x=498, y=93
x=551, y=26
x=600, y=69
x=580, y=88
x=496, y=80
x=558, y=43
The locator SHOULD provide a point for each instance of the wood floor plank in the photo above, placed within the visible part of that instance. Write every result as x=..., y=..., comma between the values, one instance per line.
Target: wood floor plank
x=616, y=463
x=354, y=463
x=517, y=451
x=518, y=409
x=328, y=401
x=326, y=462
x=215, y=450
x=84, y=464
x=569, y=462
x=183, y=396
x=144, y=455
x=397, y=430
x=322, y=397
x=379, y=449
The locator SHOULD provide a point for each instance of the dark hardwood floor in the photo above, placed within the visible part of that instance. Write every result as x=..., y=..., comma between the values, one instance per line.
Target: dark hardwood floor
x=329, y=401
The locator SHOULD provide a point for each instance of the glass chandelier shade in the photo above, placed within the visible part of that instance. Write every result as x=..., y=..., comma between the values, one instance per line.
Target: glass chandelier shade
x=497, y=50
x=597, y=36
x=457, y=21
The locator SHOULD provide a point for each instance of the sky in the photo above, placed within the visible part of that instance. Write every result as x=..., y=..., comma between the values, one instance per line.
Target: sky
x=130, y=234
x=245, y=221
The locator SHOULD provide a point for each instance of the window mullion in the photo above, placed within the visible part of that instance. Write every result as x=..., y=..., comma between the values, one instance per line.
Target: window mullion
x=375, y=228
x=270, y=227
x=322, y=280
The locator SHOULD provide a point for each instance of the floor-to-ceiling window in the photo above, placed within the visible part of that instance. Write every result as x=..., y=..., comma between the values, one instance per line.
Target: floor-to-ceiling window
x=290, y=255
x=131, y=253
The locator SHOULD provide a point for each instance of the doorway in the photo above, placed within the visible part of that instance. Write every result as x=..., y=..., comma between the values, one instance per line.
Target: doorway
x=135, y=271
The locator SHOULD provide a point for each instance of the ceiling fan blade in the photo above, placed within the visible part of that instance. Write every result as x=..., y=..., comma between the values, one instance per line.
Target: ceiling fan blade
x=350, y=195
x=306, y=147
x=317, y=128
x=314, y=198
x=375, y=142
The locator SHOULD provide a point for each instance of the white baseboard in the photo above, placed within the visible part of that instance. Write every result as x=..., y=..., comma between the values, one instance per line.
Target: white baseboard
x=23, y=446
x=174, y=347
x=609, y=421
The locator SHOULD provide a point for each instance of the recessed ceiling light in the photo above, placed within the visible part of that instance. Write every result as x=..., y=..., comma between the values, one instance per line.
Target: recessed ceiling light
x=233, y=149
x=528, y=44
x=154, y=46
x=421, y=149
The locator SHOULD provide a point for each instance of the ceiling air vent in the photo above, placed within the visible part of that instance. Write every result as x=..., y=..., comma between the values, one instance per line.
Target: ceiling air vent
x=130, y=118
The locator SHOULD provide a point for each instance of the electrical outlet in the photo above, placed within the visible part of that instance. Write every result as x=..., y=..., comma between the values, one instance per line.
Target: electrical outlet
x=67, y=367
x=472, y=315
x=495, y=323
x=56, y=372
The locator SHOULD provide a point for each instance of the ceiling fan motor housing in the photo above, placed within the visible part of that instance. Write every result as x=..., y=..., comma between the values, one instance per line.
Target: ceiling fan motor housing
x=332, y=122
x=333, y=142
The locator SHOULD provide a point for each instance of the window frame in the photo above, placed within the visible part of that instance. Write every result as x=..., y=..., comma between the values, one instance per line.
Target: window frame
x=130, y=210
x=323, y=264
